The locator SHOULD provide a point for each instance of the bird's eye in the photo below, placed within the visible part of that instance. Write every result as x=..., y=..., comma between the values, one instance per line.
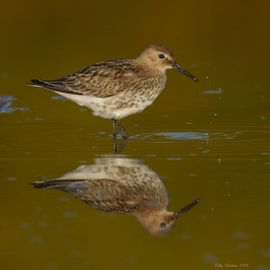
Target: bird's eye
x=161, y=56
x=162, y=224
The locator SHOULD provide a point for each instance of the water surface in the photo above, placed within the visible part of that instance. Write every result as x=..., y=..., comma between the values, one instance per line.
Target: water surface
x=208, y=140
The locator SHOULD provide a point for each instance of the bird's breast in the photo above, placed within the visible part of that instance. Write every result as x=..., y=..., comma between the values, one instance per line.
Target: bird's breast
x=138, y=95
x=149, y=89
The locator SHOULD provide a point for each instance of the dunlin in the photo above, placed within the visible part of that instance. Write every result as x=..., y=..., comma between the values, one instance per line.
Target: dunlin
x=121, y=185
x=117, y=88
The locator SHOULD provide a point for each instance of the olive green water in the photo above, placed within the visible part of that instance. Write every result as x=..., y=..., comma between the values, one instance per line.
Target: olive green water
x=209, y=140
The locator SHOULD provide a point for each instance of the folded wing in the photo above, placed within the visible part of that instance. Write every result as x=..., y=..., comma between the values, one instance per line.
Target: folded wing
x=102, y=80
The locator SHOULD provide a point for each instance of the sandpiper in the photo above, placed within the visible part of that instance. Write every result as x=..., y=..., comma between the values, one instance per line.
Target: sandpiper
x=117, y=88
x=121, y=185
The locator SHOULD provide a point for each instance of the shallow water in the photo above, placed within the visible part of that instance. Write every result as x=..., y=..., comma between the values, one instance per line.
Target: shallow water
x=207, y=140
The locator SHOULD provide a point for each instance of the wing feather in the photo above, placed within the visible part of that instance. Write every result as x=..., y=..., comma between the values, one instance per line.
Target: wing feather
x=103, y=79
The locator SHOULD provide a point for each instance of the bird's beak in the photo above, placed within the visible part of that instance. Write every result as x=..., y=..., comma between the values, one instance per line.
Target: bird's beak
x=186, y=208
x=182, y=70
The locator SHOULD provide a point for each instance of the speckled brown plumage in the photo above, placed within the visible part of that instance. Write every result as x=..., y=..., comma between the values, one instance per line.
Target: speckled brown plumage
x=117, y=88
x=104, y=79
x=120, y=185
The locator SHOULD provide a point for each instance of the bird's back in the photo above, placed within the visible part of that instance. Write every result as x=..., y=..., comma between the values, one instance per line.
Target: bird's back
x=103, y=79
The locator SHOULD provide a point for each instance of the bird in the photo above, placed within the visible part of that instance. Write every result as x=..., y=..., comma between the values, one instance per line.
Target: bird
x=121, y=185
x=114, y=89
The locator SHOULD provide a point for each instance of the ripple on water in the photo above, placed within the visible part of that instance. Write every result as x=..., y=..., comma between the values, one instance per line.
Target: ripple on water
x=213, y=91
x=266, y=253
x=210, y=258
x=243, y=246
x=183, y=136
x=6, y=103
x=70, y=214
x=240, y=235
x=222, y=135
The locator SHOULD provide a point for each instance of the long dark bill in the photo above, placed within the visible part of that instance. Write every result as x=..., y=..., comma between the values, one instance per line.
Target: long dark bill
x=182, y=70
x=186, y=208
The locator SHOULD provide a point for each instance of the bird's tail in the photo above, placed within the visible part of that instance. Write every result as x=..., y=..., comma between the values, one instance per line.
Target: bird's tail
x=59, y=184
x=39, y=83
x=53, y=85
x=60, y=85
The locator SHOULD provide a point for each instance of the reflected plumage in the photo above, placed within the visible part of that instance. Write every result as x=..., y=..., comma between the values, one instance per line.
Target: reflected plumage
x=121, y=185
x=117, y=88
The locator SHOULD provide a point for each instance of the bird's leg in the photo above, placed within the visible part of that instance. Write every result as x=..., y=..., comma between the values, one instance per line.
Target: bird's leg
x=122, y=129
x=122, y=145
x=115, y=148
x=114, y=123
x=119, y=147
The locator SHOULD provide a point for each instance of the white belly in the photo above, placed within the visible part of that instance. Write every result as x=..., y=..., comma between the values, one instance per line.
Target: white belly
x=99, y=106
x=110, y=107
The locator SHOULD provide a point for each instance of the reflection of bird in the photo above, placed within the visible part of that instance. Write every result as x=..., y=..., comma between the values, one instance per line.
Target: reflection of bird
x=117, y=88
x=121, y=185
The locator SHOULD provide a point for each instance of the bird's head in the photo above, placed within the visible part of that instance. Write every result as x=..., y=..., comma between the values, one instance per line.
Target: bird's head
x=157, y=223
x=160, y=222
x=159, y=59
